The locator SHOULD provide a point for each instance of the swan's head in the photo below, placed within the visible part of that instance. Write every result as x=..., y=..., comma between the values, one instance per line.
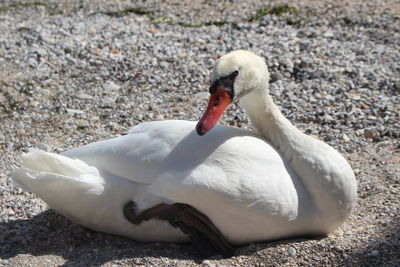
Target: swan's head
x=234, y=75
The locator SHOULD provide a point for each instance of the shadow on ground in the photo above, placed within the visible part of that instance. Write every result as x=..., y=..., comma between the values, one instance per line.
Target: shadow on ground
x=51, y=234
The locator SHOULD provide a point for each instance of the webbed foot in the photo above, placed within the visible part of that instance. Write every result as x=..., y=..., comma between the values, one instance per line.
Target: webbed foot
x=205, y=237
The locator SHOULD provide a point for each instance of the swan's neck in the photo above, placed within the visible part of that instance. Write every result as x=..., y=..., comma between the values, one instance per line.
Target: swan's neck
x=324, y=173
x=268, y=120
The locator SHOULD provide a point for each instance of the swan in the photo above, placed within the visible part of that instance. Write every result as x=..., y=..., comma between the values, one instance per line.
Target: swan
x=216, y=185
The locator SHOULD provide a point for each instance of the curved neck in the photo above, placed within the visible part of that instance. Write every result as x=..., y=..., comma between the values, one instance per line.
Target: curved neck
x=268, y=120
x=324, y=173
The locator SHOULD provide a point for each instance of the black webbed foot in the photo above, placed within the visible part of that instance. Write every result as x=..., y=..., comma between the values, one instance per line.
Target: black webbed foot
x=205, y=237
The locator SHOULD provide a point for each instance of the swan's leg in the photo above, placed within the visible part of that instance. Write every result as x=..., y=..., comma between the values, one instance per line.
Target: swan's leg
x=206, y=238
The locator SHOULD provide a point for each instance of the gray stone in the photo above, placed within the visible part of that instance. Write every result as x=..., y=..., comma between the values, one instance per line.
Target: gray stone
x=111, y=86
x=292, y=251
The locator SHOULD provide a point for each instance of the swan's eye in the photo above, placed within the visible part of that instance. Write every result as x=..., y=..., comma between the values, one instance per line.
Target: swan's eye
x=226, y=82
x=233, y=75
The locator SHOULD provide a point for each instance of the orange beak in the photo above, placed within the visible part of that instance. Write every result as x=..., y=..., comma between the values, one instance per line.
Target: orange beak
x=216, y=105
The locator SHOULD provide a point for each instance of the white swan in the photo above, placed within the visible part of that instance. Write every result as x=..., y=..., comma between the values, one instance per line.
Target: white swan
x=254, y=186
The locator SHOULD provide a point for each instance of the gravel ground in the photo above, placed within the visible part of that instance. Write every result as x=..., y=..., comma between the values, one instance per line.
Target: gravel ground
x=74, y=72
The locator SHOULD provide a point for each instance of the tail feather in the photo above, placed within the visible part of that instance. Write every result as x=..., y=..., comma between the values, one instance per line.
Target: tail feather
x=60, y=181
x=43, y=161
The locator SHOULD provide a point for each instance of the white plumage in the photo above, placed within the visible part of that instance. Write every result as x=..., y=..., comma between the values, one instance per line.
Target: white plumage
x=261, y=186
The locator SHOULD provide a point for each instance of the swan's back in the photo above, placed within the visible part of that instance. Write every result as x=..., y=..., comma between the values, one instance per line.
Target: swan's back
x=153, y=148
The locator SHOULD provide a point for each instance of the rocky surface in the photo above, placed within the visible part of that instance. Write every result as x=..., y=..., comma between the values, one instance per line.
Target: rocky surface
x=74, y=72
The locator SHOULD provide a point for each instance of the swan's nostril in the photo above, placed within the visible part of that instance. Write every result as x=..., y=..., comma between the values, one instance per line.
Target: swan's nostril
x=216, y=101
x=213, y=89
x=200, y=130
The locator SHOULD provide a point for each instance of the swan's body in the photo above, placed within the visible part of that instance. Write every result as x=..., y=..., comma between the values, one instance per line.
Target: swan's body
x=253, y=186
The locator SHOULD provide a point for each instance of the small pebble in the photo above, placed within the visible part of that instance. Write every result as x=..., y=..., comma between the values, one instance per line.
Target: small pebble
x=291, y=251
x=370, y=133
x=345, y=138
x=42, y=146
x=375, y=253
x=111, y=86
x=208, y=263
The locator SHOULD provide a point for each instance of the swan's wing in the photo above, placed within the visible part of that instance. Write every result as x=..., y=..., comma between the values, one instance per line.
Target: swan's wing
x=155, y=148
x=137, y=156
x=245, y=179
x=242, y=168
